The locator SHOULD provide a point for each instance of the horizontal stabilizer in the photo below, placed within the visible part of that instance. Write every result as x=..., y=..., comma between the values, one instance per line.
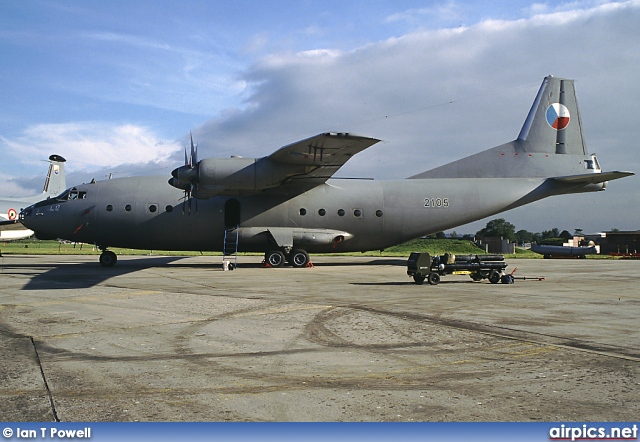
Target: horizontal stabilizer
x=592, y=178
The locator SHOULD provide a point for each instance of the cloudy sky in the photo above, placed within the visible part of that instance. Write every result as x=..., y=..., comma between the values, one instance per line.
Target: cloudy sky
x=117, y=86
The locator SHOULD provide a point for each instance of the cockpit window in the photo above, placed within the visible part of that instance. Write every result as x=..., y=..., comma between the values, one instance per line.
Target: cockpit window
x=72, y=194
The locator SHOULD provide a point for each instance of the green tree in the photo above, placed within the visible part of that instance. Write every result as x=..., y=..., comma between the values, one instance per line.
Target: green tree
x=553, y=233
x=566, y=235
x=499, y=227
x=524, y=236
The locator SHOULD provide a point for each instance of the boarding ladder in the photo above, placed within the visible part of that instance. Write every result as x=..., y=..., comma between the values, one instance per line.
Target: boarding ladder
x=230, y=247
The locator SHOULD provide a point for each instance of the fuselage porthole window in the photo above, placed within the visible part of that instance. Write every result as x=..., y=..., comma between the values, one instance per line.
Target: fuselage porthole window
x=341, y=212
x=322, y=212
x=303, y=212
x=169, y=209
x=379, y=213
x=357, y=213
x=127, y=207
x=109, y=207
x=153, y=208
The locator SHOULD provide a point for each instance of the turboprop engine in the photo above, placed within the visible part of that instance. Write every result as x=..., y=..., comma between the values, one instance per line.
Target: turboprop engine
x=229, y=176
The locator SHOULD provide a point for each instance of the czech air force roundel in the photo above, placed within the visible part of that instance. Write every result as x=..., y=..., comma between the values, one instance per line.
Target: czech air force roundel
x=558, y=116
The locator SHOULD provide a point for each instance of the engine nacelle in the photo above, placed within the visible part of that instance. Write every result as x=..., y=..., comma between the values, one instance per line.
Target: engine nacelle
x=232, y=173
x=233, y=176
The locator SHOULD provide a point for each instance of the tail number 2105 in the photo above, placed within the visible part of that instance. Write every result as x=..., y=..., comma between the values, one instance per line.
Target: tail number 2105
x=436, y=202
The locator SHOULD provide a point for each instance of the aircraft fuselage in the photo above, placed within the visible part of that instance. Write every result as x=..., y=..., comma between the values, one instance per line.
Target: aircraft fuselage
x=338, y=216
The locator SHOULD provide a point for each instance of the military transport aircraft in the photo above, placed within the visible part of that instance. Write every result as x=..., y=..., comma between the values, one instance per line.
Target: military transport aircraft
x=10, y=228
x=286, y=204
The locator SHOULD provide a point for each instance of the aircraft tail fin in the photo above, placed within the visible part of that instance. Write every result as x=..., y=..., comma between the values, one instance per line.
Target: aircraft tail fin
x=553, y=124
x=56, y=181
x=550, y=144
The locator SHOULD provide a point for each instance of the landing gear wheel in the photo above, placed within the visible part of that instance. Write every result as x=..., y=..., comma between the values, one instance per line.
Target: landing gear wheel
x=298, y=258
x=108, y=258
x=275, y=258
x=418, y=279
x=494, y=277
x=433, y=278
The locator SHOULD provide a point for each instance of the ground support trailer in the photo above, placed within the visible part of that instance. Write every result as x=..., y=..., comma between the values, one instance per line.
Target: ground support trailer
x=423, y=266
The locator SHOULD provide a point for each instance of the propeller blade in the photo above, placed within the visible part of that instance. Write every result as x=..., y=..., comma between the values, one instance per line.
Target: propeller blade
x=195, y=155
x=188, y=174
x=192, y=158
x=193, y=191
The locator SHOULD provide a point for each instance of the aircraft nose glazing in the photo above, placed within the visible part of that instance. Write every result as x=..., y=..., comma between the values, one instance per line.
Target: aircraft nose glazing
x=24, y=213
x=44, y=219
x=27, y=217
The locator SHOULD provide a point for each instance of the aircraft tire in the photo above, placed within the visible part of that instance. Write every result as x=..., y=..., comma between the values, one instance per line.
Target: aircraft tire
x=275, y=258
x=298, y=258
x=494, y=277
x=108, y=258
x=433, y=278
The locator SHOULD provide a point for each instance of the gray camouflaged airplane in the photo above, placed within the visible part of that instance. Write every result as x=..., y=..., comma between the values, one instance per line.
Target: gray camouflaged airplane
x=10, y=228
x=287, y=205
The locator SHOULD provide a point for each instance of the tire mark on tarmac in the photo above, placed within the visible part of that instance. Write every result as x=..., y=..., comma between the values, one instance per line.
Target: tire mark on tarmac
x=515, y=334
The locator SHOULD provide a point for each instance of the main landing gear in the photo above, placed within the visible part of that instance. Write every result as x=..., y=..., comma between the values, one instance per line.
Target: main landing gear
x=276, y=258
x=108, y=258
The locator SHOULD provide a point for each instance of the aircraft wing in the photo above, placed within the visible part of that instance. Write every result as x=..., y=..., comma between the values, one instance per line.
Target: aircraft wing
x=592, y=178
x=319, y=157
x=307, y=163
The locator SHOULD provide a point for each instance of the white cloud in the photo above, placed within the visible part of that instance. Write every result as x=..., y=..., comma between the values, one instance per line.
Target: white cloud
x=91, y=145
x=447, y=12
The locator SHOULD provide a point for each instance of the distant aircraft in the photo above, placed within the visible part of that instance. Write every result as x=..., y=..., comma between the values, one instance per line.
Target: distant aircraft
x=564, y=251
x=54, y=184
x=287, y=205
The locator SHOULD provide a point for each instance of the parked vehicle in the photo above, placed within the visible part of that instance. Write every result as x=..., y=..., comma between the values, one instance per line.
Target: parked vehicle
x=423, y=266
